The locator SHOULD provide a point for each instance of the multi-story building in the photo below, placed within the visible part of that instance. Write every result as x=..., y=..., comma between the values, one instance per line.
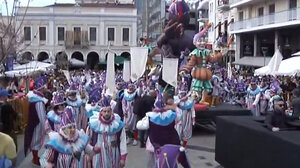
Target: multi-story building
x=156, y=17
x=263, y=26
x=142, y=10
x=84, y=30
x=224, y=19
x=220, y=16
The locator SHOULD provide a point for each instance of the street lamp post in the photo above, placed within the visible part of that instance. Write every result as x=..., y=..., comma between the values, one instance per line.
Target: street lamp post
x=264, y=51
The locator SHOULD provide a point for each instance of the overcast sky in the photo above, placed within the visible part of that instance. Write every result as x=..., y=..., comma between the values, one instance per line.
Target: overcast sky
x=32, y=3
x=42, y=3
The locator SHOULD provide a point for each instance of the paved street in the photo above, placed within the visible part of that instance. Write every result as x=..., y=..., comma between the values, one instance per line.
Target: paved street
x=200, y=152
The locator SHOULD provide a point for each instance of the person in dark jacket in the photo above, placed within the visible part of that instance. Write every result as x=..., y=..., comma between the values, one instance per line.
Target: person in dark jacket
x=141, y=107
x=8, y=116
x=295, y=103
x=277, y=120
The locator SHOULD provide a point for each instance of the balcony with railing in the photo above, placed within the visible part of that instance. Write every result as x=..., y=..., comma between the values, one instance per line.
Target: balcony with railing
x=76, y=40
x=223, y=4
x=203, y=16
x=279, y=19
x=239, y=3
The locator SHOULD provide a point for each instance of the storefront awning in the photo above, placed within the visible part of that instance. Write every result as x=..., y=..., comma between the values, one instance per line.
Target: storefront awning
x=252, y=61
x=203, y=4
x=118, y=60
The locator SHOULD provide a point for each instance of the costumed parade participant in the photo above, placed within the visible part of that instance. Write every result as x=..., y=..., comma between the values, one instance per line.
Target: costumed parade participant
x=107, y=131
x=54, y=115
x=66, y=147
x=274, y=90
x=197, y=66
x=119, y=97
x=75, y=102
x=129, y=97
x=145, y=43
x=216, y=90
x=83, y=123
x=186, y=105
x=252, y=92
x=94, y=97
x=36, y=129
x=160, y=124
x=262, y=100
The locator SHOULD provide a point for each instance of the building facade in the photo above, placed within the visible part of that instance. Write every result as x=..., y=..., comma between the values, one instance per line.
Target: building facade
x=156, y=17
x=83, y=31
x=219, y=14
x=141, y=6
x=261, y=27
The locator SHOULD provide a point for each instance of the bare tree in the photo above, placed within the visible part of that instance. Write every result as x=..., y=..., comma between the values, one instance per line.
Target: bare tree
x=10, y=32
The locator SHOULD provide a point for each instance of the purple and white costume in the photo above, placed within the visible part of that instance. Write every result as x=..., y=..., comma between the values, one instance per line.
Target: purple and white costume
x=63, y=151
x=36, y=129
x=127, y=107
x=185, y=126
x=110, y=136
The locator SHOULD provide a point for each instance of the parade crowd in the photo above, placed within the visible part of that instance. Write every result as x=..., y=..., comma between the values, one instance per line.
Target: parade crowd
x=87, y=127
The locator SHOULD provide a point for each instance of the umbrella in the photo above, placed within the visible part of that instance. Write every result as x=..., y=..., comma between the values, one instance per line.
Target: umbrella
x=289, y=67
x=296, y=54
x=34, y=65
x=272, y=66
x=77, y=63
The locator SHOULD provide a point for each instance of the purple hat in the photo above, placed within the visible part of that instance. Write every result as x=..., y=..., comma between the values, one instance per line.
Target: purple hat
x=57, y=99
x=178, y=8
x=104, y=102
x=183, y=88
x=170, y=155
x=199, y=35
x=67, y=118
x=253, y=81
x=95, y=95
x=119, y=79
x=40, y=82
x=3, y=92
x=73, y=88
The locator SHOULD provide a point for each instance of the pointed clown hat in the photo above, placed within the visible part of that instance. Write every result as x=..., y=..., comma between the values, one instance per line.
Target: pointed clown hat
x=40, y=82
x=95, y=95
x=183, y=88
x=159, y=103
x=57, y=99
x=67, y=118
x=105, y=102
x=178, y=9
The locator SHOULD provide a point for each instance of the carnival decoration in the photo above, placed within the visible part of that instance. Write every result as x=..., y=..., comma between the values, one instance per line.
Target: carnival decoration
x=198, y=65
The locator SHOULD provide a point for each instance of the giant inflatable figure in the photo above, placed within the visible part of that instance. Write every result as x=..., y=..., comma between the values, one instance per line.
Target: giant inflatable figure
x=198, y=66
x=173, y=39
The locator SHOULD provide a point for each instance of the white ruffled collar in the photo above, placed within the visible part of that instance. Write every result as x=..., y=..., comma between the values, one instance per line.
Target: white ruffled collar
x=61, y=144
x=36, y=98
x=162, y=115
x=109, y=128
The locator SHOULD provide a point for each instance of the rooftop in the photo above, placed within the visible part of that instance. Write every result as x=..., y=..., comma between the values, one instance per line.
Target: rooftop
x=105, y=5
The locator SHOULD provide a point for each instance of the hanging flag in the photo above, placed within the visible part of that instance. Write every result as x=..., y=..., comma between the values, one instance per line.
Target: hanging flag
x=67, y=74
x=139, y=57
x=126, y=71
x=170, y=71
x=110, y=74
x=229, y=71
